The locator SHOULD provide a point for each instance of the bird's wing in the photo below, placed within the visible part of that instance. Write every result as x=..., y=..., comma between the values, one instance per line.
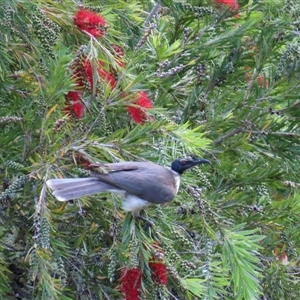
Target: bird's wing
x=145, y=180
x=114, y=167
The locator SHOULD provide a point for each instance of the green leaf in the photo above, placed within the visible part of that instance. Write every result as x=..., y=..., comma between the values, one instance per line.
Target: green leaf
x=193, y=285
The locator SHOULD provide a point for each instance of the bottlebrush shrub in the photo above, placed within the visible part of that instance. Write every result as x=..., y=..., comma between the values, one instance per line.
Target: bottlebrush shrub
x=131, y=280
x=138, y=111
x=90, y=22
x=232, y=4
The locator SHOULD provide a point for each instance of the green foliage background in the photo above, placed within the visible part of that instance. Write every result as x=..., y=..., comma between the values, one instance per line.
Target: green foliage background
x=224, y=87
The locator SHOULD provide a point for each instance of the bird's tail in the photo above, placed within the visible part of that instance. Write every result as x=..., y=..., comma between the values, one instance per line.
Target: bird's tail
x=72, y=188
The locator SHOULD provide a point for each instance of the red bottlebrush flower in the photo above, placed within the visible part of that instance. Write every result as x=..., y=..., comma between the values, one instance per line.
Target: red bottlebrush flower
x=233, y=4
x=81, y=160
x=159, y=272
x=75, y=104
x=131, y=280
x=90, y=22
x=261, y=80
x=158, y=268
x=74, y=96
x=78, y=76
x=88, y=74
x=88, y=69
x=119, y=55
x=108, y=77
x=284, y=259
x=138, y=114
x=118, y=49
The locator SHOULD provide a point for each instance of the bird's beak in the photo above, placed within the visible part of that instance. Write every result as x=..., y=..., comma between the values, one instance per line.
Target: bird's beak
x=194, y=162
x=199, y=161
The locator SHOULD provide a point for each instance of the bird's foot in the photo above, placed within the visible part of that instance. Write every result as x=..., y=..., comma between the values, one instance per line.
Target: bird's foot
x=147, y=222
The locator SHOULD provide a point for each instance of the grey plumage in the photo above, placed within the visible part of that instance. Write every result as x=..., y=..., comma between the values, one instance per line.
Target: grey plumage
x=72, y=188
x=142, y=179
x=138, y=179
x=140, y=183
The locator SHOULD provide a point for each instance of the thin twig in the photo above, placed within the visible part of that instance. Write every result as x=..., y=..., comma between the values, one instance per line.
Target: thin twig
x=96, y=121
x=152, y=13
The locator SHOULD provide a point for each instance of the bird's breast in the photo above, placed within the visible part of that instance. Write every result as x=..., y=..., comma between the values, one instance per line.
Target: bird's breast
x=134, y=203
x=177, y=180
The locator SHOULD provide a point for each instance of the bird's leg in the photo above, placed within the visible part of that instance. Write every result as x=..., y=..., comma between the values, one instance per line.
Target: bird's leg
x=136, y=215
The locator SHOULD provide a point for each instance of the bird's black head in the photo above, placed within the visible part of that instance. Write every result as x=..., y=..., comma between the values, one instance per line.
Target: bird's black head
x=182, y=164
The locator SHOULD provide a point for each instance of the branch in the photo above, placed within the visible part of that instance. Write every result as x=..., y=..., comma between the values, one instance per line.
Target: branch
x=227, y=135
x=258, y=132
x=278, y=133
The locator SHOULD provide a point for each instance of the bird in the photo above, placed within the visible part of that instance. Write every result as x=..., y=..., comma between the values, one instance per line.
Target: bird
x=140, y=184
